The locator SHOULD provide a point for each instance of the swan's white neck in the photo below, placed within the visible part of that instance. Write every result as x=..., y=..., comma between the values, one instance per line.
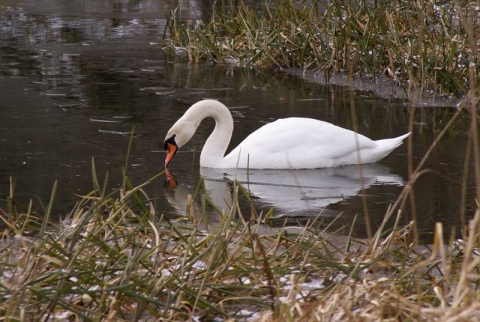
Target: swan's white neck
x=216, y=145
x=213, y=151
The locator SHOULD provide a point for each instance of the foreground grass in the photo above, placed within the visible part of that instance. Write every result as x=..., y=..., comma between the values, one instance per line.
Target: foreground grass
x=114, y=258
x=424, y=46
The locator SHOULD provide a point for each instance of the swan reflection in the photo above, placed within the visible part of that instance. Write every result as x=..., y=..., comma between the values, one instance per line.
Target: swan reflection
x=292, y=192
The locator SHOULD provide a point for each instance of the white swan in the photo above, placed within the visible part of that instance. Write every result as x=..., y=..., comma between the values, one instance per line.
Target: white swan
x=291, y=143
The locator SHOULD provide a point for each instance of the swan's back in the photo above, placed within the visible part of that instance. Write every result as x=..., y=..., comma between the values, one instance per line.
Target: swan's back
x=303, y=143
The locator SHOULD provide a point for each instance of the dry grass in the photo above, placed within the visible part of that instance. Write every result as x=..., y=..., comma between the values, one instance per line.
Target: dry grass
x=113, y=258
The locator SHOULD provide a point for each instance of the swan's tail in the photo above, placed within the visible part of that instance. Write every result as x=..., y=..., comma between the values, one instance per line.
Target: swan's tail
x=385, y=146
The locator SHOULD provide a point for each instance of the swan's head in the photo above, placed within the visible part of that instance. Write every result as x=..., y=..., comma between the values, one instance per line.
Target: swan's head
x=180, y=133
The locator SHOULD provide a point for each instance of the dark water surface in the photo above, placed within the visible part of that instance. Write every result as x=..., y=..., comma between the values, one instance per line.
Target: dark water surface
x=77, y=76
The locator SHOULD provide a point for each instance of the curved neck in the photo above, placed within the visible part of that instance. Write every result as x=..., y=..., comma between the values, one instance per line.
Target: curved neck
x=216, y=145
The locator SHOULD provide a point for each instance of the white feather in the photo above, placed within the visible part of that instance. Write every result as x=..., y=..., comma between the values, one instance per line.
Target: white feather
x=291, y=143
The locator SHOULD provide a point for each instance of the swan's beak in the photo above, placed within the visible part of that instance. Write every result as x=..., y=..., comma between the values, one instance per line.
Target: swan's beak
x=171, y=150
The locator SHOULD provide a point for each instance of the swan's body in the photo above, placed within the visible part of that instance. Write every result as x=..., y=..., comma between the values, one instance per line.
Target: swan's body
x=291, y=143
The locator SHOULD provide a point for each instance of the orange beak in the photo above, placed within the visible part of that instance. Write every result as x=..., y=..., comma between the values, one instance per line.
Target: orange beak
x=171, y=150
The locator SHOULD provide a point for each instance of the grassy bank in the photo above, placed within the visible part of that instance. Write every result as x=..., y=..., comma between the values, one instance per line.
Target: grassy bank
x=114, y=258
x=424, y=46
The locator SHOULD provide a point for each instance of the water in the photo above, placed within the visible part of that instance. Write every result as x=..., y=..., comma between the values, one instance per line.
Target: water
x=76, y=77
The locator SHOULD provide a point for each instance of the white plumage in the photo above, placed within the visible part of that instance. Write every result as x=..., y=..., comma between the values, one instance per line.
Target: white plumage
x=291, y=143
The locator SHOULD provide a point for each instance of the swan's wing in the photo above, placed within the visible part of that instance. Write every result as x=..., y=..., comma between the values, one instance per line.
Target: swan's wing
x=302, y=141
